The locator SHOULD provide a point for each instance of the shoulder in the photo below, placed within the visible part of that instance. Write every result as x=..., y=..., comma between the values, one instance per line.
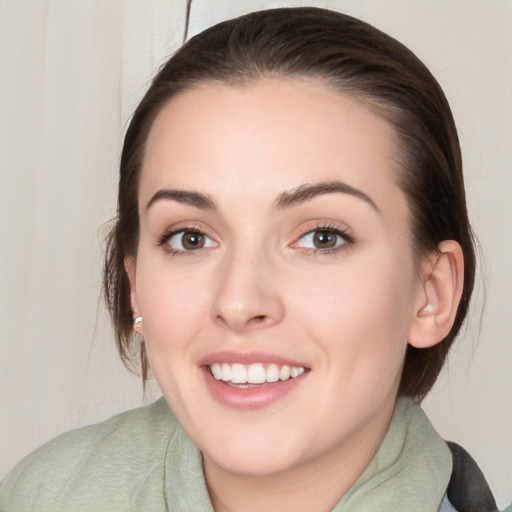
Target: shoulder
x=119, y=449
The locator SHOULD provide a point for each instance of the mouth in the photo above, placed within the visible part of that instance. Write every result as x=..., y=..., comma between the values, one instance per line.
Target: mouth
x=244, y=376
x=249, y=381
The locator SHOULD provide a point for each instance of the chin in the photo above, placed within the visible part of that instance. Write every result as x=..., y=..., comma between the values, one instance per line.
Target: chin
x=252, y=451
x=252, y=463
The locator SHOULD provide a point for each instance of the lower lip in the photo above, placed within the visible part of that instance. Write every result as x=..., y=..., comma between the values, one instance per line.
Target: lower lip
x=250, y=398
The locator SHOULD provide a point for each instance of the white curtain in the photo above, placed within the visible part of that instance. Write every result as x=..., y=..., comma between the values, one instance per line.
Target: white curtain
x=71, y=73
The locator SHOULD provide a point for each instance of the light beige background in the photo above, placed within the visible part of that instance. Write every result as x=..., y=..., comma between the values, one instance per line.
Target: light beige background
x=71, y=72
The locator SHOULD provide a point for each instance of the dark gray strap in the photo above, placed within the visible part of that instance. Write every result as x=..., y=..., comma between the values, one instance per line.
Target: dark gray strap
x=468, y=490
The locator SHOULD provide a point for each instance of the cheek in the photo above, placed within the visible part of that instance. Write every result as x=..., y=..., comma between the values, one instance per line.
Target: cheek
x=174, y=316
x=379, y=294
x=360, y=314
x=172, y=305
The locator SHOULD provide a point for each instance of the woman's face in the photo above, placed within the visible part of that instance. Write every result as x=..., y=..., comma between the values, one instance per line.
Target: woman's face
x=275, y=272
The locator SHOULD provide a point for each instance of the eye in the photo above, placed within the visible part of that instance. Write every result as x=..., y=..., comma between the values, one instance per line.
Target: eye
x=323, y=239
x=188, y=240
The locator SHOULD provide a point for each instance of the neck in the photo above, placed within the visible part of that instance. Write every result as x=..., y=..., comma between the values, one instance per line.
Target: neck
x=314, y=486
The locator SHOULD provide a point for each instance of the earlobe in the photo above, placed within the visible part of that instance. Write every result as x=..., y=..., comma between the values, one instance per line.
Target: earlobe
x=129, y=266
x=439, y=297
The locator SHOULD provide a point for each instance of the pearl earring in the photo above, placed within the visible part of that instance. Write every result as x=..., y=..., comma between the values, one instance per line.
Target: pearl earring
x=137, y=325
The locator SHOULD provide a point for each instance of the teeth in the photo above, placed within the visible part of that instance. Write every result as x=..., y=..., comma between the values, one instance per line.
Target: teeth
x=255, y=373
x=226, y=372
x=238, y=374
x=272, y=373
x=284, y=373
x=295, y=372
x=216, y=370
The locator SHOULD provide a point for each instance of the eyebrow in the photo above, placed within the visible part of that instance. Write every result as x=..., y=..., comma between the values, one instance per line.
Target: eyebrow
x=308, y=192
x=196, y=199
x=287, y=199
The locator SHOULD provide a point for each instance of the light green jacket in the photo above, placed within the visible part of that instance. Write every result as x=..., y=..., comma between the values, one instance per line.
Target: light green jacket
x=142, y=460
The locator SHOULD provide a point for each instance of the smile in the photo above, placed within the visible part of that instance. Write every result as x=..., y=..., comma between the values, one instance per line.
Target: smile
x=256, y=373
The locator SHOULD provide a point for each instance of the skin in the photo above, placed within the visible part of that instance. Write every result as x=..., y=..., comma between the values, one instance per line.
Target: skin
x=259, y=285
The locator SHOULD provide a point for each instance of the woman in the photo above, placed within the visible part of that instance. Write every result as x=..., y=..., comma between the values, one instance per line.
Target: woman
x=293, y=249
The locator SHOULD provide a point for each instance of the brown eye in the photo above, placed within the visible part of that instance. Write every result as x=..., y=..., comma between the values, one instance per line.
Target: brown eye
x=324, y=239
x=192, y=240
x=188, y=240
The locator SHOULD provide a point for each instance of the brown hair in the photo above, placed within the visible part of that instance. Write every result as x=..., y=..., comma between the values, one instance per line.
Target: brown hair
x=355, y=58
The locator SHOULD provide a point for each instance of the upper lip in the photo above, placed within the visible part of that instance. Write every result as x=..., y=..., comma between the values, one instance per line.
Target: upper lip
x=247, y=358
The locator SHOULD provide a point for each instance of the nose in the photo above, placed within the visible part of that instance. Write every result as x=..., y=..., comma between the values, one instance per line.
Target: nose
x=248, y=295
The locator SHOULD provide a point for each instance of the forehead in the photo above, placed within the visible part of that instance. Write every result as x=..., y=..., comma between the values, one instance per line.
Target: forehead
x=269, y=136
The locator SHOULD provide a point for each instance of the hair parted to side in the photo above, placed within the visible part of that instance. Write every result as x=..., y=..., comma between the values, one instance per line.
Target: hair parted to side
x=347, y=55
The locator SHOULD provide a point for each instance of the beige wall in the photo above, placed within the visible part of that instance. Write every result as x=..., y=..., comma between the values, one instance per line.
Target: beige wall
x=70, y=74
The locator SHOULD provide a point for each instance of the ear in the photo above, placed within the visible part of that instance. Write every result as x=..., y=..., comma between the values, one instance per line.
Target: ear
x=129, y=266
x=439, y=295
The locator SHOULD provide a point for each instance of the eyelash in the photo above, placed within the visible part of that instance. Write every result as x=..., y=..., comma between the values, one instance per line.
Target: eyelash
x=169, y=234
x=331, y=229
x=326, y=228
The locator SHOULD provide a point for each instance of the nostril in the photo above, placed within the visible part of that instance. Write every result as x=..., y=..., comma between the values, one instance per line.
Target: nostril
x=258, y=319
